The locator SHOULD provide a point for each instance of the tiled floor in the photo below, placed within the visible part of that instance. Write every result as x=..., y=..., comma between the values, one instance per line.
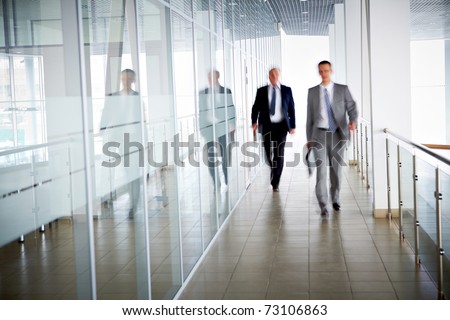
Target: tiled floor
x=277, y=246
x=274, y=246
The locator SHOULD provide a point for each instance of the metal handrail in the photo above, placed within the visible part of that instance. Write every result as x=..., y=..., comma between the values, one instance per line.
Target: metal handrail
x=419, y=146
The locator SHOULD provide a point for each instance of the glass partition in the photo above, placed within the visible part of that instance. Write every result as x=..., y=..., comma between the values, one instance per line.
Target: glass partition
x=445, y=221
x=393, y=175
x=158, y=99
x=99, y=175
x=426, y=202
x=407, y=195
x=115, y=95
x=188, y=174
x=46, y=183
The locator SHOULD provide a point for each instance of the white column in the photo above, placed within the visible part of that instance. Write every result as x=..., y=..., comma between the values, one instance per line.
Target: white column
x=389, y=23
x=353, y=48
x=340, y=44
x=332, y=39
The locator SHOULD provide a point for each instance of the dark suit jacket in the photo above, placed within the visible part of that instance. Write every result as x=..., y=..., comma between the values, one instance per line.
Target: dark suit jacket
x=261, y=112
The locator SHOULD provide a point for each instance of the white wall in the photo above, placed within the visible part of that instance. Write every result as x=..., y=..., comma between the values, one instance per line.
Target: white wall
x=301, y=54
x=428, y=91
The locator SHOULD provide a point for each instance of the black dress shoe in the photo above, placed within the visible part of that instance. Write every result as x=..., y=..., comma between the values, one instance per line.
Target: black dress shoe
x=275, y=189
x=324, y=212
x=336, y=206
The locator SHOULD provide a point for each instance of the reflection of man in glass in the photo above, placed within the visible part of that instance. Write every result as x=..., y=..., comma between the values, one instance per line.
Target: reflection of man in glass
x=120, y=123
x=217, y=116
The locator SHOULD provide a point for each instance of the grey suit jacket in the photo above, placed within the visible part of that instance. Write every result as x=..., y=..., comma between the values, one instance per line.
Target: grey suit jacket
x=343, y=107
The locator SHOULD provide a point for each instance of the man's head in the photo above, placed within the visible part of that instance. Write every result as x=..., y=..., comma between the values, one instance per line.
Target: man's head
x=128, y=77
x=274, y=76
x=325, y=71
x=213, y=77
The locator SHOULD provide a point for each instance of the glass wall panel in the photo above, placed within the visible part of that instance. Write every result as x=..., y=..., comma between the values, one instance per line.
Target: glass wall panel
x=426, y=202
x=2, y=30
x=241, y=114
x=118, y=166
x=184, y=6
x=120, y=230
x=201, y=12
x=407, y=194
x=224, y=126
x=157, y=95
x=188, y=171
x=234, y=150
x=445, y=221
x=228, y=16
x=43, y=170
x=216, y=17
x=210, y=180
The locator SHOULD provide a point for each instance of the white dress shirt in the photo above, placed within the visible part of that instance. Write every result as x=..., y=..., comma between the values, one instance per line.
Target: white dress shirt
x=323, y=114
x=278, y=116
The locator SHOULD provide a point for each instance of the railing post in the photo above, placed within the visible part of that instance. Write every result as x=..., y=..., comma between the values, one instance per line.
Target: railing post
x=388, y=178
x=416, y=211
x=438, y=196
x=362, y=153
x=367, y=160
x=355, y=158
x=357, y=150
x=400, y=201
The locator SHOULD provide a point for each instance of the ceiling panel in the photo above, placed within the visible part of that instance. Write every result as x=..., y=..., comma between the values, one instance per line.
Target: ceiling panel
x=430, y=19
x=305, y=17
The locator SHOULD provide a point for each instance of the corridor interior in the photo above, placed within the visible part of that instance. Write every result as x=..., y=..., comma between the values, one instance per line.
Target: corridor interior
x=272, y=246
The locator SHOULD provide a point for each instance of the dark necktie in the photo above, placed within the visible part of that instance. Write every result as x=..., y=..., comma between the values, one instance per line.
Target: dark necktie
x=273, y=101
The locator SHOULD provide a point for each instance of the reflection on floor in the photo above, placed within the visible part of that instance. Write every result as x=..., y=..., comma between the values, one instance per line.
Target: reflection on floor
x=277, y=246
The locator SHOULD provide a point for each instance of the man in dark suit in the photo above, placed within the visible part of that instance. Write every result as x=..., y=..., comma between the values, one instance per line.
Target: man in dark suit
x=217, y=119
x=327, y=131
x=274, y=112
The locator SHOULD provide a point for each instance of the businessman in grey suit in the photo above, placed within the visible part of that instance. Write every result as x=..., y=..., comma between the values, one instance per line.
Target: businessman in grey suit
x=331, y=115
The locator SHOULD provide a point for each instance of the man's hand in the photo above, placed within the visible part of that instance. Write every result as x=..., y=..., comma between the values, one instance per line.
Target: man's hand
x=292, y=131
x=308, y=145
x=352, y=126
x=255, y=127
